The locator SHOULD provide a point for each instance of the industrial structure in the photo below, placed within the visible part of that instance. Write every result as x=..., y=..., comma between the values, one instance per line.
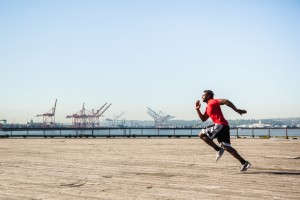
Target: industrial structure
x=160, y=119
x=4, y=121
x=85, y=118
x=49, y=117
x=115, y=122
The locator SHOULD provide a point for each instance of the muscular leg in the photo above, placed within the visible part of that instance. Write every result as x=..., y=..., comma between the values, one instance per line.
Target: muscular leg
x=234, y=153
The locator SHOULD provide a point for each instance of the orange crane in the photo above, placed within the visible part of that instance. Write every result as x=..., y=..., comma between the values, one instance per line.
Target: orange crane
x=78, y=119
x=85, y=118
x=49, y=117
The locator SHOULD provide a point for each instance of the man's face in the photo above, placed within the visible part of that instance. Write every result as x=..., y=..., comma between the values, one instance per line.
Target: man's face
x=205, y=97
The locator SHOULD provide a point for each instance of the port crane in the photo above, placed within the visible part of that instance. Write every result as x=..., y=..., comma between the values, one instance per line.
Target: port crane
x=79, y=118
x=49, y=116
x=113, y=122
x=85, y=118
x=160, y=119
x=95, y=117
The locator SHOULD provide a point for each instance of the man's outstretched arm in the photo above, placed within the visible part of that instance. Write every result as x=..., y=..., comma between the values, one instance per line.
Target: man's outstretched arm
x=231, y=105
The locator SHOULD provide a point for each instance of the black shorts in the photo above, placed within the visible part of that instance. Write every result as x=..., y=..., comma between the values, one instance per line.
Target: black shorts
x=221, y=132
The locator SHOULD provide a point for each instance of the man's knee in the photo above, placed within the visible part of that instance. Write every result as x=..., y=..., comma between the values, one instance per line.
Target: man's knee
x=202, y=136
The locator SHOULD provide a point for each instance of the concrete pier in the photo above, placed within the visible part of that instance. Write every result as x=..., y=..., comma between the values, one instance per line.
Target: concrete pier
x=142, y=168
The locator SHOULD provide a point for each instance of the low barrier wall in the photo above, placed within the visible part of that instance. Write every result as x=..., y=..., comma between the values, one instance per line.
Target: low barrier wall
x=143, y=132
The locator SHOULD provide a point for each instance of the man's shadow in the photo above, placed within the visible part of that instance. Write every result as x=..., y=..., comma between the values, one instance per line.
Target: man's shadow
x=275, y=172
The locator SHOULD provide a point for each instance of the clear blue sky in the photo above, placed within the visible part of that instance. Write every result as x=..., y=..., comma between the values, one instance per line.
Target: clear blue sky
x=160, y=54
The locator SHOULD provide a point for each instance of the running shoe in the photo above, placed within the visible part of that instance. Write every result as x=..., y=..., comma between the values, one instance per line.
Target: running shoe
x=245, y=166
x=219, y=154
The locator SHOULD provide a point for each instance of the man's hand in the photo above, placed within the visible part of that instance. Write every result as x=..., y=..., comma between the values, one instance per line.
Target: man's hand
x=198, y=105
x=204, y=116
x=241, y=111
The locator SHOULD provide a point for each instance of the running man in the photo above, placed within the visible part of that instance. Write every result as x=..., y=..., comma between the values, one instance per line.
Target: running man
x=220, y=129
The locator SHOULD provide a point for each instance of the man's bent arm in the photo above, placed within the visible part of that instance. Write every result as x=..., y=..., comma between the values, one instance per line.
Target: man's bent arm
x=203, y=117
x=231, y=105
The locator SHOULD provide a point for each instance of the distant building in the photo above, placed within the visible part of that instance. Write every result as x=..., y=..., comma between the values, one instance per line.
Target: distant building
x=255, y=125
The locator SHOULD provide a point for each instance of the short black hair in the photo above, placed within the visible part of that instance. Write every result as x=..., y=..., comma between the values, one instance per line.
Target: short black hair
x=210, y=93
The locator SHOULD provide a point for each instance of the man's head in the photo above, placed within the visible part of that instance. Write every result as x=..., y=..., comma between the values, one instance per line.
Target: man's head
x=207, y=94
